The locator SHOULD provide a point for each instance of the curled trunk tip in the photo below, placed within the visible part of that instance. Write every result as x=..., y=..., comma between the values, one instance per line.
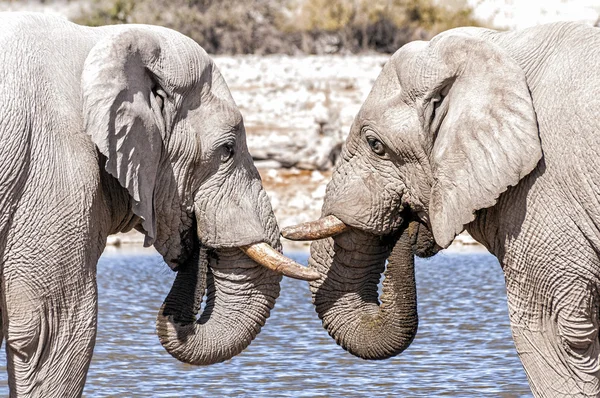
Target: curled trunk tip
x=239, y=297
x=347, y=299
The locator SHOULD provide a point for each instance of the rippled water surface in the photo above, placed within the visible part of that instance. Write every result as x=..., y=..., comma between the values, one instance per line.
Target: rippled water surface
x=463, y=347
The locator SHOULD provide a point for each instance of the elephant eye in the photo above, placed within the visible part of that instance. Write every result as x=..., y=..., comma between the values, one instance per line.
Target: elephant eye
x=227, y=152
x=376, y=146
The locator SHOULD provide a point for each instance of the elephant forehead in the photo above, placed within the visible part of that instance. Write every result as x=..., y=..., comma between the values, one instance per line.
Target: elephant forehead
x=387, y=116
x=214, y=117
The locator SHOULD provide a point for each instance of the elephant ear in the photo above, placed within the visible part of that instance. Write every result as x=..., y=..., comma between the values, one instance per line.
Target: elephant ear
x=480, y=116
x=122, y=116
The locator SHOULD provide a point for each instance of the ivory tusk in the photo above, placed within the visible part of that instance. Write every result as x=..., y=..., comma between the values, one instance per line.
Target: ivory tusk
x=270, y=258
x=313, y=230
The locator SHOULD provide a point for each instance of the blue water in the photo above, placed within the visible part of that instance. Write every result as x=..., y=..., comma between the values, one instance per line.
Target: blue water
x=463, y=347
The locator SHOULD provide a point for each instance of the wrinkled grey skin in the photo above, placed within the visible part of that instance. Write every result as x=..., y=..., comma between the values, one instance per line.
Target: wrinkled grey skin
x=103, y=130
x=495, y=132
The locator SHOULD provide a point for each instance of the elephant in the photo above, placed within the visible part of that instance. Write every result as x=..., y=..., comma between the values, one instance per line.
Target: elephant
x=110, y=129
x=496, y=133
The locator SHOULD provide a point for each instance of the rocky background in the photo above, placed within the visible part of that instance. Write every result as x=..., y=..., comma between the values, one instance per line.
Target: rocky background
x=297, y=112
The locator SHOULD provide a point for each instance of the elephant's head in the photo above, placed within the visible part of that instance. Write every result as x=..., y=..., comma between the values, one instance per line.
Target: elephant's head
x=448, y=126
x=169, y=131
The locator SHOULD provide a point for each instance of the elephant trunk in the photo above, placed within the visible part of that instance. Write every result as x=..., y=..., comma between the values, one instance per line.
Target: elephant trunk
x=346, y=296
x=240, y=294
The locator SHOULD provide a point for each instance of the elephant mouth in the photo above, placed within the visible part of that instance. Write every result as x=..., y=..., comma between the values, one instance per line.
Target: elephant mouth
x=260, y=252
x=422, y=241
x=190, y=244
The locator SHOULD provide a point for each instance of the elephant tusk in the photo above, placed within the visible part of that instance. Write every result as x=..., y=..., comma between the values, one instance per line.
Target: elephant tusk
x=322, y=228
x=265, y=255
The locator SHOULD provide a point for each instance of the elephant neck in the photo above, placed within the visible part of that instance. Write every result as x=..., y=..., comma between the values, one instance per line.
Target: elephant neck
x=503, y=228
x=484, y=229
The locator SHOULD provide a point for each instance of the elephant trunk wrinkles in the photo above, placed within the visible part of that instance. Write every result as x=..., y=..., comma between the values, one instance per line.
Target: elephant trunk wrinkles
x=239, y=297
x=346, y=297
